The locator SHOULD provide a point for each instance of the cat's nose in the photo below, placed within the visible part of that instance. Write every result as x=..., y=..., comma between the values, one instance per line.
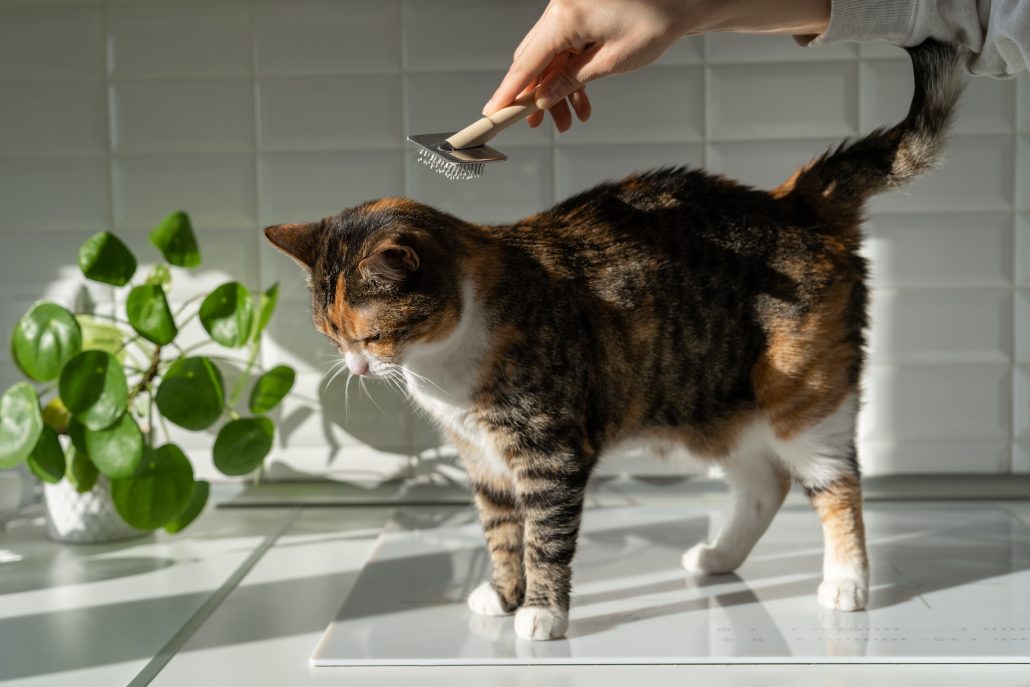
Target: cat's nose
x=356, y=363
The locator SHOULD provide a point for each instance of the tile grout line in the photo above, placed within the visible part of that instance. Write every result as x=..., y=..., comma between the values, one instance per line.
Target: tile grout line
x=706, y=78
x=200, y=616
x=256, y=167
x=1014, y=303
x=109, y=128
x=414, y=459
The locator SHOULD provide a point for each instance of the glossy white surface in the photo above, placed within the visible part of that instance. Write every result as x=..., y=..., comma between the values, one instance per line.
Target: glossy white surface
x=949, y=584
x=244, y=596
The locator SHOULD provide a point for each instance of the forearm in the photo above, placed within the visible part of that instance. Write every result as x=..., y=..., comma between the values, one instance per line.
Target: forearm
x=757, y=16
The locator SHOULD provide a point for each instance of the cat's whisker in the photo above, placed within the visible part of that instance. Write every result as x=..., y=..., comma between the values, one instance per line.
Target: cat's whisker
x=416, y=375
x=394, y=381
x=334, y=372
x=346, y=397
x=361, y=383
x=403, y=372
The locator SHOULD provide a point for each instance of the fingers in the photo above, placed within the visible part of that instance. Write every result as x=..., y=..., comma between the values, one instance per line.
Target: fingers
x=569, y=75
x=561, y=116
x=581, y=104
x=536, y=53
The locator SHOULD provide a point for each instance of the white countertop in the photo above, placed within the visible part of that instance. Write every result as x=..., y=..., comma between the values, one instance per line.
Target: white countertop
x=244, y=595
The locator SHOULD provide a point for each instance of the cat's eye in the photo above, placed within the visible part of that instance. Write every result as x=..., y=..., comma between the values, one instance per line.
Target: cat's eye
x=370, y=339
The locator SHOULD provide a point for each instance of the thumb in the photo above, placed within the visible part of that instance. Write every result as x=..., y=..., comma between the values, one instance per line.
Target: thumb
x=570, y=77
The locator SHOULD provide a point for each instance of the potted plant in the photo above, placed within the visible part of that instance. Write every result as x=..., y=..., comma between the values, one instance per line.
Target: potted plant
x=98, y=388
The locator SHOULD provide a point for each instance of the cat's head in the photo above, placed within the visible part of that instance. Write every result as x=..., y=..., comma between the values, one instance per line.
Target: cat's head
x=381, y=280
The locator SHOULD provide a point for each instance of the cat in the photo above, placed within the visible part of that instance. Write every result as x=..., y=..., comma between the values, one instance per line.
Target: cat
x=675, y=307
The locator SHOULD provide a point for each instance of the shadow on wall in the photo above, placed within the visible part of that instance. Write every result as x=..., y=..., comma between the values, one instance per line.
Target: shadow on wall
x=340, y=412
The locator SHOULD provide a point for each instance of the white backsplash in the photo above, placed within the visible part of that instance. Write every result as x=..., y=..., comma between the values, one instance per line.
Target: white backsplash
x=249, y=113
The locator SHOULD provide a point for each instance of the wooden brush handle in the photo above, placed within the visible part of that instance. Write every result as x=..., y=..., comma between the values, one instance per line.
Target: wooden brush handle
x=479, y=132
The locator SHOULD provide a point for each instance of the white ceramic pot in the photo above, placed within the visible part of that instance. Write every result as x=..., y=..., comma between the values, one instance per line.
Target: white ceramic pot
x=84, y=518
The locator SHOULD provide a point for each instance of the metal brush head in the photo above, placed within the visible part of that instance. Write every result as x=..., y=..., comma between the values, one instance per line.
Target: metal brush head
x=435, y=153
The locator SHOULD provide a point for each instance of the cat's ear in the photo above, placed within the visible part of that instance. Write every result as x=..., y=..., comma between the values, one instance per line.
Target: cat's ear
x=389, y=262
x=302, y=242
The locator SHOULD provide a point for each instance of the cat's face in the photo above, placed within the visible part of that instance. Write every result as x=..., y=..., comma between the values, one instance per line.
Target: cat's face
x=381, y=283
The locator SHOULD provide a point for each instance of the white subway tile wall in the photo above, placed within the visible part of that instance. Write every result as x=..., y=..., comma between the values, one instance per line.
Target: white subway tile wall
x=246, y=114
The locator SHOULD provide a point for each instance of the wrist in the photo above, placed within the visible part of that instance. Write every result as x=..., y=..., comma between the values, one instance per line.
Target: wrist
x=756, y=16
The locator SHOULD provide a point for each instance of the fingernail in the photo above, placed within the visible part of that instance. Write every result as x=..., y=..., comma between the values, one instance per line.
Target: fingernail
x=545, y=100
x=486, y=108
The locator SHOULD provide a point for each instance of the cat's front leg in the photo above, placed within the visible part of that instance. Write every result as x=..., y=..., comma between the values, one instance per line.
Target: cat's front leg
x=552, y=503
x=503, y=528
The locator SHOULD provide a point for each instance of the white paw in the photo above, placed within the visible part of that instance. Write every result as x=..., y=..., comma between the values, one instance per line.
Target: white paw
x=535, y=622
x=702, y=559
x=843, y=595
x=485, y=601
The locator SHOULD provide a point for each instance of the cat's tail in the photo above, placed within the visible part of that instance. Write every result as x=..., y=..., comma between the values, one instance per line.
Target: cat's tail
x=888, y=158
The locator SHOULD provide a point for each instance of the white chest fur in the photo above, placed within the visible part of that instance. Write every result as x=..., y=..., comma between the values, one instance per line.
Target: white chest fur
x=441, y=377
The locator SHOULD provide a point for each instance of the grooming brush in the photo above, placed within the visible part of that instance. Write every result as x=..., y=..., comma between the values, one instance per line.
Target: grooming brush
x=462, y=154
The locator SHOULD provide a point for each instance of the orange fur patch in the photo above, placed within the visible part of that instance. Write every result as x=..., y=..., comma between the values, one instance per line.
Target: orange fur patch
x=803, y=375
x=840, y=509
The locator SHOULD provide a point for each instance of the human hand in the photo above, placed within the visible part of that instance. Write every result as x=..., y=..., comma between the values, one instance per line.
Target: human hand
x=576, y=41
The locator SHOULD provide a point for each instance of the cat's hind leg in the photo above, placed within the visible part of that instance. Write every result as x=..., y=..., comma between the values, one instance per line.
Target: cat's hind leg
x=824, y=461
x=759, y=485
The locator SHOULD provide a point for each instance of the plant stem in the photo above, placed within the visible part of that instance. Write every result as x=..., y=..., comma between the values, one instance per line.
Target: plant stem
x=192, y=299
x=148, y=376
x=190, y=349
x=103, y=316
x=227, y=359
x=241, y=381
x=189, y=319
x=126, y=343
x=151, y=430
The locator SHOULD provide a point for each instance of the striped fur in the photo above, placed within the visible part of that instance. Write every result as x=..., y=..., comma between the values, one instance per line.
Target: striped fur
x=673, y=306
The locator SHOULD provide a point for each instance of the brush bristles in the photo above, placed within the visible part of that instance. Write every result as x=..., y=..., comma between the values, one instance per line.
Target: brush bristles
x=452, y=170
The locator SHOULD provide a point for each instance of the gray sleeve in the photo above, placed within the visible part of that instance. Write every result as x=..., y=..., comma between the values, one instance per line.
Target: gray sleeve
x=996, y=32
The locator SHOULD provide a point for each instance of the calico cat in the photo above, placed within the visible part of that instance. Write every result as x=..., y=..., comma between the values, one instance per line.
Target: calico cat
x=674, y=307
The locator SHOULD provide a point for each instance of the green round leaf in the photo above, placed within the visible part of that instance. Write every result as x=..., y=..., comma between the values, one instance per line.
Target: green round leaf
x=175, y=239
x=82, y=473
x=242, y=444
x=158, y=492
x=266, y=306
x=98, y=335
x=44, y=339
x=150, y=315
x=77, y=433
x=21, y=423
x=160, y=275
x=191, y=394
x=270, y=388
x=116, y=450
x=195, y=507
x=93, y=388
x=227, y=313
x=104, y=258
x=56, y=416
x=47, y=459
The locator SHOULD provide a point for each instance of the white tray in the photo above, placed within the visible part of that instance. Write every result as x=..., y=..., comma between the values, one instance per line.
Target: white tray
x=951, y=584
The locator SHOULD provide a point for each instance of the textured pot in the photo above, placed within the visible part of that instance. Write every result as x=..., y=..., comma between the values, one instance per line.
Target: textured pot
x=84, y=518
